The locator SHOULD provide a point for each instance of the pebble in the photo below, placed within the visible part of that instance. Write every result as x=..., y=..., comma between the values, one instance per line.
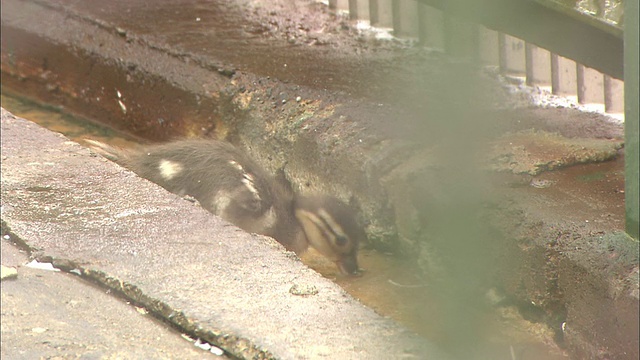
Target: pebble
x=303, y=290
x=541, y=184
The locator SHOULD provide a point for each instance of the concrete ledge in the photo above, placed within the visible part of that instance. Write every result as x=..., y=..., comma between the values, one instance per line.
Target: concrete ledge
x=585, y=287
x=604, y=301
x=186, y=266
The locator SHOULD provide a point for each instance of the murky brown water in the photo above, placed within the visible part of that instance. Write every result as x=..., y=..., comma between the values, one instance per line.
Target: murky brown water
x=393, y=289
x=389, y=285
x=55, y=119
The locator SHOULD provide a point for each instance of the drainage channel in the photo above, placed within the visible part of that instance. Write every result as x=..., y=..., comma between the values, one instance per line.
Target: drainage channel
x=389, y=285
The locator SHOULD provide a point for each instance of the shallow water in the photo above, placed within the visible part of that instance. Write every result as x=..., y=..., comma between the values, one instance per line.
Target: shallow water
x=388, y=285
x=392, y=288
x=56, y=119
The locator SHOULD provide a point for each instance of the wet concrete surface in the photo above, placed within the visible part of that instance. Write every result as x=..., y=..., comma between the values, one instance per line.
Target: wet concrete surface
x=56, y=315
x=299, y=87
x=187, y=267
x=296, y=42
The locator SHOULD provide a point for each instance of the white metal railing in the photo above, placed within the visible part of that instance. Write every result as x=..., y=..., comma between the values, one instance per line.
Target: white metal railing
x=538, y=67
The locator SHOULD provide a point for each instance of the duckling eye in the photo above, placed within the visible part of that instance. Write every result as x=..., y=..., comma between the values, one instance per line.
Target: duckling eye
x=341, y=240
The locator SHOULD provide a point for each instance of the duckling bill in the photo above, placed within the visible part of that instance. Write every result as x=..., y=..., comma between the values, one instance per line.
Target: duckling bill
x=231, y=185
x=331, y=229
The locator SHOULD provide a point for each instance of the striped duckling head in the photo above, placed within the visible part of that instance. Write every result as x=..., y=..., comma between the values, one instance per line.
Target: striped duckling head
x=331, y=228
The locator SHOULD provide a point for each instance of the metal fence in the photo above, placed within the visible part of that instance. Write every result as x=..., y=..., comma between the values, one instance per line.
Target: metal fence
x=539, y=67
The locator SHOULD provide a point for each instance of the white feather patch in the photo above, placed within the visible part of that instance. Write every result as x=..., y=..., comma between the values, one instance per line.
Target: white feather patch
x=247, y=180
x=220, y=202
x=236, y=165
x=268, y=219
x=169, y=169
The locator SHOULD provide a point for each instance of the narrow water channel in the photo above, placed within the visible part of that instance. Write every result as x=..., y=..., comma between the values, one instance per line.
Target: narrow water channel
x=389, y=285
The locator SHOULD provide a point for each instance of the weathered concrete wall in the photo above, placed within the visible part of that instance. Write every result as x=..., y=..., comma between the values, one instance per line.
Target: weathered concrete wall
x=121, y=83
x=584, y=287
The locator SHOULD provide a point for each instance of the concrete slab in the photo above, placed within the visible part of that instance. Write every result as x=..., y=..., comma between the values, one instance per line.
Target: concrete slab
x=55, y=315
x=534, y=152
x=187, y=267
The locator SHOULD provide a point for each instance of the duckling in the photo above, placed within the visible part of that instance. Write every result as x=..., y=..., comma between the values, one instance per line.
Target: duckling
x=331, y=229
x=231, y=185
x=222, y=179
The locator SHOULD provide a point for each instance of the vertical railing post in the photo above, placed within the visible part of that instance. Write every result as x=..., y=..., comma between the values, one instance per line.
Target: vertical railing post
x=502, y=52
x=631, y=117
x=580, y=83
x=374, y=16
x=353, y=10
x=613, y=95
x=529, y=65
x=395, y=17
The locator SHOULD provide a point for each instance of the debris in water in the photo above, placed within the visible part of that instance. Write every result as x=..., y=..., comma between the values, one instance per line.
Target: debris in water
x=216, y=350
x=202, y=345
x=187, y=337
x=541, y=183
x=406, y=286
x=141, y=310
x=42, y=266
x=122, y=106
